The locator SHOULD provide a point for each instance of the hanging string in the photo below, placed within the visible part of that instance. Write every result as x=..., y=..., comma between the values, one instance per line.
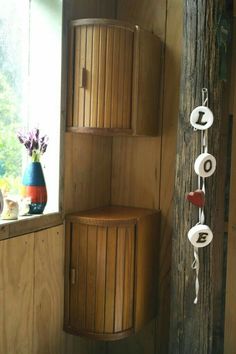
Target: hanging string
x=196, y=267
x=201, y=186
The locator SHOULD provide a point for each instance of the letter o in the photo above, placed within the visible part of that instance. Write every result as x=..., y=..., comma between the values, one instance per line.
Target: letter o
x=205, y=165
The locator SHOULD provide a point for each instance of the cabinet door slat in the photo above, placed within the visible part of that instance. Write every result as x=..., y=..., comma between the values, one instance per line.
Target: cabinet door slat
x=89, y=63
x=129, y=278
x=82, y=279
x=108, y=76
x=74, y=265
x=77, y=74
x=101, y=76
x=110, y=279
x=101, y=279
x=121, y=79
x=81, y=90
x=91, y=277
x=94, y=72
x=128, y=80
x=119, y=296
x=115, y=78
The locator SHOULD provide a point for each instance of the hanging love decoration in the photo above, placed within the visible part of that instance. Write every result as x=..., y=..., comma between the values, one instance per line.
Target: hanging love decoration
x=201, y=235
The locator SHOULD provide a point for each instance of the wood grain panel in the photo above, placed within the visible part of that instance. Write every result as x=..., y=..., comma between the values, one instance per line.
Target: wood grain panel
x=101, y=279
x=91, y=278
x=128, y=57
x=81, y=90
x=148, y=90
x=129, y=278
x=101, y=74
x=81, y=286
x=168, y=159
x=16, y=295
x=48, y=336
x=108, y=75
x=110, y=279
x=89, y=76
x=95, y=74
x=73, y=267
x=87, y=166
x=121, y=79
x=150, y=14
x=115, y=78
x=77, y=72
x=70, y=80
x=136, y=172
x=119, y=292
x=90, y=8
x=230, y=312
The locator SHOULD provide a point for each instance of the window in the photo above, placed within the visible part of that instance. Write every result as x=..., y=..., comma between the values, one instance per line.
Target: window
x=30, y=87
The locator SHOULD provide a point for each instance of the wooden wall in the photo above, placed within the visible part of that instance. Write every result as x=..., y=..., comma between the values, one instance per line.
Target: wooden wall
x=230, y=304
x=133, y=171
x=143, y=168
x=98, y=171
x=31, y=293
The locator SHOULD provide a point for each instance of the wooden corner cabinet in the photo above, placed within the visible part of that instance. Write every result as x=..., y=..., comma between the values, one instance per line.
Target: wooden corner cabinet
x=113, y=78
x=111, y=271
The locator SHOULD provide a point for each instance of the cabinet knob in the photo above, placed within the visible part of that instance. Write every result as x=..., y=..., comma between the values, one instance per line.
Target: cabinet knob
x=83, y=78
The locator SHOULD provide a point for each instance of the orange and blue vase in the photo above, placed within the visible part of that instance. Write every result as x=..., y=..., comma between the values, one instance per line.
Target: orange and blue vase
x=34, y=187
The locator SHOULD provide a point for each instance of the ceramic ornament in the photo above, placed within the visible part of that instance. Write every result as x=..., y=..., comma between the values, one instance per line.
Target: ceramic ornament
x=197, y=198
x=201, y=118
x=200, y=236
x=205, y=165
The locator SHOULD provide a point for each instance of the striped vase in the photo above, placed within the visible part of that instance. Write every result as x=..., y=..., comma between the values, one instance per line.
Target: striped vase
x=34, y=187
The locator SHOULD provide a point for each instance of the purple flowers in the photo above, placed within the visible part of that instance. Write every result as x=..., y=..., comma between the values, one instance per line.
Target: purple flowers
x=34, y=143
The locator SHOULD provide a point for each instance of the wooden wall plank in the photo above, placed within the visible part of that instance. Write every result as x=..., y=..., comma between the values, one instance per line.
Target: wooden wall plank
x=201, y=63
x=173, y=47
x=87, y=171
x=16, y=295
x=49, y=291
x=136, y=172
x=230, y=310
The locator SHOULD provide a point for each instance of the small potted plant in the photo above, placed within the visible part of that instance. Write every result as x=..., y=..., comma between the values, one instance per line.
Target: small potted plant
x=33, y=181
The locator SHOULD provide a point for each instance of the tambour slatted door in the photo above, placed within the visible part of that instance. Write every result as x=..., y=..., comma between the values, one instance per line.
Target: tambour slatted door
x=103, y=263
x=113, y=78
x=102, y=77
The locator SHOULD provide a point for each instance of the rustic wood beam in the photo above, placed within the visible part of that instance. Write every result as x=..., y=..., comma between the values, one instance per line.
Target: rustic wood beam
x=198, y=329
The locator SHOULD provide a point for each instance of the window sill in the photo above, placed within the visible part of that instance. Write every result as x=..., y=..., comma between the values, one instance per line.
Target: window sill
x=28, y=224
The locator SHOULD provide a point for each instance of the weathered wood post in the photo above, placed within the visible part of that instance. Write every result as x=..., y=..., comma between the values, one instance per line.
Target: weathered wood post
x=198, y=329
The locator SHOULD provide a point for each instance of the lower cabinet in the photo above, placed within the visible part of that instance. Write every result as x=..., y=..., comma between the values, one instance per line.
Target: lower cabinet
x=111, y=271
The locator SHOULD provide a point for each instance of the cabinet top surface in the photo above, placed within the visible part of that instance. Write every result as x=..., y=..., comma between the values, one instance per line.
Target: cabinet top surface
x=111, y=214
x=104, y=21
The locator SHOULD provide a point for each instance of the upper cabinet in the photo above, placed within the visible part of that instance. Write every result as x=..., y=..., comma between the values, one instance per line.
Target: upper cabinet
x=113, y=78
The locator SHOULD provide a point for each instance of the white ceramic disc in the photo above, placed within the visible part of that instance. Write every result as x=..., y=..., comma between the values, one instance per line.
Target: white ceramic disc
x=200, y=236
x=205, y=165
x=201, y=118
